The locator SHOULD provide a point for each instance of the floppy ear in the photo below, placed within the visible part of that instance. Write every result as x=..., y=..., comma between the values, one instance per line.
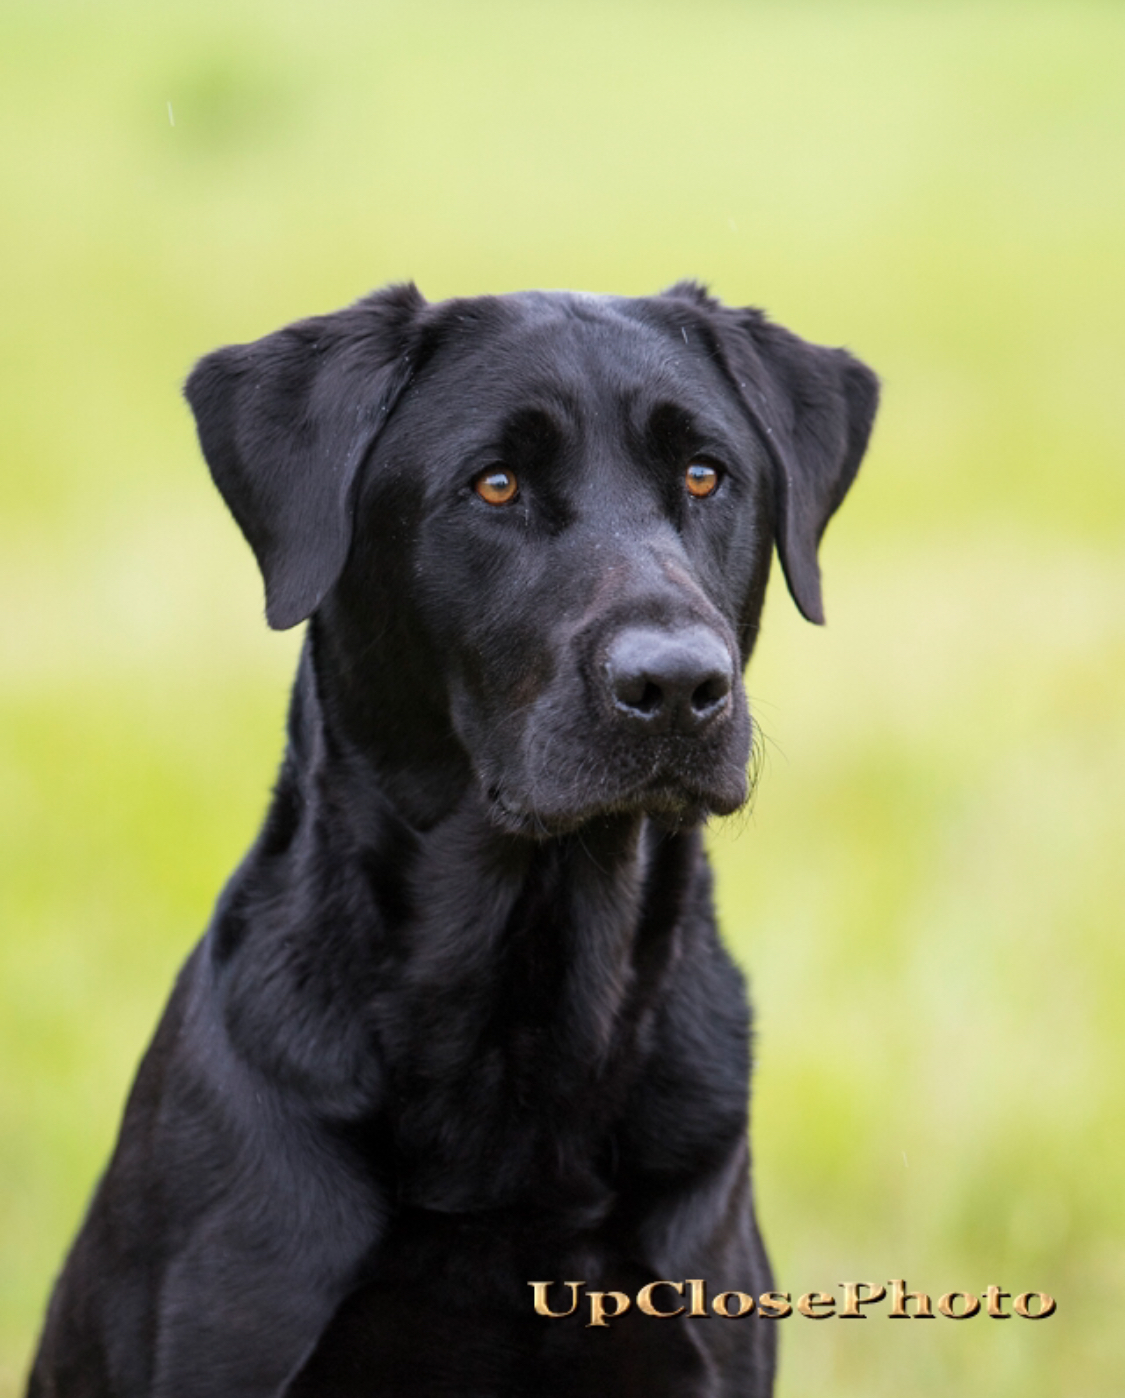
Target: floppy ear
x=815, y=407
x=285, y=424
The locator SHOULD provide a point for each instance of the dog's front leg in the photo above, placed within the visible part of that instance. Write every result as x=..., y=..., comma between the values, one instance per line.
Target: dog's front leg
x=222, y=1237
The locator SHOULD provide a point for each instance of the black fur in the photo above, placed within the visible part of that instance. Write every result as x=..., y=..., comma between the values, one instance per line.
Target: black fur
x=462, y=1019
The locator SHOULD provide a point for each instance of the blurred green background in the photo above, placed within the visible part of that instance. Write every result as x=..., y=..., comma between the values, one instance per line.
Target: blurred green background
x=929, y=890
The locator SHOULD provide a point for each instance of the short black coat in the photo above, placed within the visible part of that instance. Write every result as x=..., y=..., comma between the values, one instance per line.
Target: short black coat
x=462, y=1019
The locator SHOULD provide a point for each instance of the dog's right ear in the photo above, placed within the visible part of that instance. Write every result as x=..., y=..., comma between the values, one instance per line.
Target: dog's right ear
x=286, y=423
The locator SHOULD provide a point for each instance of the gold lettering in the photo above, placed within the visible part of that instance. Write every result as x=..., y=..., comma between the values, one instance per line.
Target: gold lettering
x=745, y=1304
x=994, y=1296
x=598, y=1313
x=1046, y=1305
x=899, y=1298
x=774, y=1305
x=540, y=1292
x=698, y=1297
x=853, y=1300
x=814, y=1300
x=945, y=1305
x=644, y=1299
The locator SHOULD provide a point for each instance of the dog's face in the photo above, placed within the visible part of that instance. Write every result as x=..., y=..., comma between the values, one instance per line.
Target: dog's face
x=537, y=529
x=593, y=530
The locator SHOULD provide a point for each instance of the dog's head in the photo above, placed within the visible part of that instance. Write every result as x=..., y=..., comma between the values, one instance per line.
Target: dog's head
x=535, y=531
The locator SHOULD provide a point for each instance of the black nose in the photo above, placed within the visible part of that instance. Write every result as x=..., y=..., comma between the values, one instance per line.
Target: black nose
x=669, y=681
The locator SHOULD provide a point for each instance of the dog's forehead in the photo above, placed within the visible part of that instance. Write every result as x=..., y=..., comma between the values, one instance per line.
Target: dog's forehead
x=571, y=351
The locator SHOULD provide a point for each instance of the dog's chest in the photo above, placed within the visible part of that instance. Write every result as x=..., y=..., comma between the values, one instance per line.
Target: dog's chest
x=511, y=1033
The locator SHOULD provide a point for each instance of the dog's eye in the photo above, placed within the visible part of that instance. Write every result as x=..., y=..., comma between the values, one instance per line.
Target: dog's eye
x=701, y=479
x=496, y=486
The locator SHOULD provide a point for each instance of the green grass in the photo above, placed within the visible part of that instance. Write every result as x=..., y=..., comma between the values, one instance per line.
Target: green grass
x=929, y=891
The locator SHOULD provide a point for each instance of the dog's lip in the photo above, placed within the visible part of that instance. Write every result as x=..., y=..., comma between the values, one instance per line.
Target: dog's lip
x=500, y=802
x=662, y=795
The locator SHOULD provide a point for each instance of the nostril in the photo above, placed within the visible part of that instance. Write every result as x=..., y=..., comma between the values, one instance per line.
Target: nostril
x=635, y=692
x=651, y=699
x=711, y=694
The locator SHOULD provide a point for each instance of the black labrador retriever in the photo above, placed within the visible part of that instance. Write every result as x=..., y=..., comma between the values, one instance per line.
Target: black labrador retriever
x=462, y=1021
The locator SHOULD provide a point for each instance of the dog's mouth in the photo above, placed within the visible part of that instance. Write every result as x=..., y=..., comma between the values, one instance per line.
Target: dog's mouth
x=670, y=799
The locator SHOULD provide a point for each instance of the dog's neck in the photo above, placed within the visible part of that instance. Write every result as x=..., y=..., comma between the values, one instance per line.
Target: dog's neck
x=460, y=983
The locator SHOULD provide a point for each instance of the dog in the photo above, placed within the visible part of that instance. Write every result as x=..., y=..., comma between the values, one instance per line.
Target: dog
x=461, y=1024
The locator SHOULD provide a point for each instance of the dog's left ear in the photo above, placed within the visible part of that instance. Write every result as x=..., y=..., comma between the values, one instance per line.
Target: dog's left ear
x=285, y=424
x=814, y=407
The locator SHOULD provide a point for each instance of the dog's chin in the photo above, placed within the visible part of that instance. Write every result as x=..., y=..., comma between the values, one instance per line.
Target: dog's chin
x=671, y=804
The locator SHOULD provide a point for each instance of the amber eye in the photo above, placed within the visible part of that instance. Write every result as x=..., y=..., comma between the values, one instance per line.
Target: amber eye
x=701, y=479
x=496, y=486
